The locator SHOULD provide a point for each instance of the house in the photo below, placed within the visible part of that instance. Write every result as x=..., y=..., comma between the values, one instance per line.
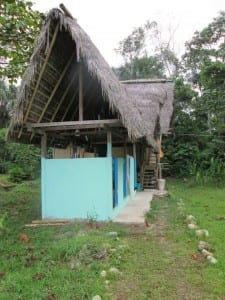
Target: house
x=101, y=130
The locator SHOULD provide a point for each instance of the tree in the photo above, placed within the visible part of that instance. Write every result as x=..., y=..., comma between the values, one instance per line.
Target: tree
x=182, y=148
x=8, y=94
x=204, y=62
x=144, y=67
x=146, y=55
x=19, y=26
x=135, y=44
x=212, y=81
x=198, y=145
x=206, y=46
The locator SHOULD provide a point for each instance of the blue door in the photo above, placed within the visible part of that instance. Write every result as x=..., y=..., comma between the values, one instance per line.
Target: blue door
x=125, y=189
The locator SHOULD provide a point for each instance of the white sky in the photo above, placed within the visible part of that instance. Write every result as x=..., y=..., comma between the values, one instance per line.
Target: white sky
x=109, y=21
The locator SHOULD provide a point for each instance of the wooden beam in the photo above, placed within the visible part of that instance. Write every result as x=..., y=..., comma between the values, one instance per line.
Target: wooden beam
x=54, y=90
x=81, y=100
x=109, y=143
x=44, y=145
x=40, y=75
x=103, y=143
x=134, y=151
x=66, y=11
x=84, y=93
x=84, y=132
x=69, y=106
x=70, y=125
x=125, y=148
x=62, y=99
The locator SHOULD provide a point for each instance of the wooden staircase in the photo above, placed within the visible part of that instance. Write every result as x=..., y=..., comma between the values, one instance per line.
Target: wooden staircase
x=150, y=171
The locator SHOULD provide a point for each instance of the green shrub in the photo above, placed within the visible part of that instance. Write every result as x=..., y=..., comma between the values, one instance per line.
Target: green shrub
x=19, y=160
x=16, y=174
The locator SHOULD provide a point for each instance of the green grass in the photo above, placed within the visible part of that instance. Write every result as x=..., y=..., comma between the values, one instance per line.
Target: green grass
x=207, y=205
x=155, y=262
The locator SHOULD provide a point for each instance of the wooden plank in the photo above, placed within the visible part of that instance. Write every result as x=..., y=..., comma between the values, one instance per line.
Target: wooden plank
x=109, y=143
x=75, y=124
x=52, y=221
x=89, y=131
x=104, y=142
x=81, y=104
x=54, y=90
x=40, y=75
x=44, y=224
x=44, y=145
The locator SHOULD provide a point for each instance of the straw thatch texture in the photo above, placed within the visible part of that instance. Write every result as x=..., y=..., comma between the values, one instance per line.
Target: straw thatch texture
x=154, y=99
x=55, y=93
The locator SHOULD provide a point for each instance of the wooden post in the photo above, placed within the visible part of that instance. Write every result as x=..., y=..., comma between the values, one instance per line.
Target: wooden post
x=159, y=164
x=125, y=148
x=44, y=145
x=81, y=104
x=134, y=151
x=135, y=165
x=109, y=143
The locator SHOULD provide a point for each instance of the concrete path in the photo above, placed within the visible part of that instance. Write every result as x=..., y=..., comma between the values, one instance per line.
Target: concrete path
x=135, y=209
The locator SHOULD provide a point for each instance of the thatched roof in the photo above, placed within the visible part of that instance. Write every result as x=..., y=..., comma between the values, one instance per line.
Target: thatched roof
x=50, y=86
x=154, y=99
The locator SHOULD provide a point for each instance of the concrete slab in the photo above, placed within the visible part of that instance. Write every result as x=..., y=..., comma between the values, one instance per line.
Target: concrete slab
x=158, y=193
x=134, y=211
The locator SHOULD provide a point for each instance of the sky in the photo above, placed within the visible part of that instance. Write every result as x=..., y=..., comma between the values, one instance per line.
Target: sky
x=107, y=22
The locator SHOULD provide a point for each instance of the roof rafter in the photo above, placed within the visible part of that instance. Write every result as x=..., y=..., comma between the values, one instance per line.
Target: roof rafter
x=54, y=90
x=40, y=75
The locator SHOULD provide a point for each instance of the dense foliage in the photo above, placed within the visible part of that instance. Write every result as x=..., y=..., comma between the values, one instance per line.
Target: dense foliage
x=19, y=160
x=197, y=145
x=8, y=94
x=19, y=26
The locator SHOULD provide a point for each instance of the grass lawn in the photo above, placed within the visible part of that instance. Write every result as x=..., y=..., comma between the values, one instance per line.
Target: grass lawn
x=160, y=261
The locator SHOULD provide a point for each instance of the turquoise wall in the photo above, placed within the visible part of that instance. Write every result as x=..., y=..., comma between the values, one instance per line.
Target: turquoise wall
x=82, y=188
x=77, y=188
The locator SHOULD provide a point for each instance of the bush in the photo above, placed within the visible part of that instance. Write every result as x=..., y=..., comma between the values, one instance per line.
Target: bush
x=19, y=160
x=16, y=174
